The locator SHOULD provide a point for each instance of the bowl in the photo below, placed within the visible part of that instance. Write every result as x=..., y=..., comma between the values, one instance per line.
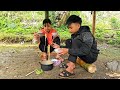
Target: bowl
x=56, y=62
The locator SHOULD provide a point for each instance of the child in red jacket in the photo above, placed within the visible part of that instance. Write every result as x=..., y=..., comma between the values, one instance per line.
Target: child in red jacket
x=47, y=36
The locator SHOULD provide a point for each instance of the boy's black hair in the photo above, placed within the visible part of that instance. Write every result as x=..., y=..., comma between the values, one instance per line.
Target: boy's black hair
x=46, y=21
x=73, y=19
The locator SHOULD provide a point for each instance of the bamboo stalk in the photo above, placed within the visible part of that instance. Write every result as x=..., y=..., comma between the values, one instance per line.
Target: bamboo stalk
x=89, y=67
x=45, y=41
x=48, y=52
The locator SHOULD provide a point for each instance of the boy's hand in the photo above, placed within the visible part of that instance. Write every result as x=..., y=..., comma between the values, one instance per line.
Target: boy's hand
x=54, y=45
x=36, y=38
x=41, y=34
x=55, y=35
x=63, y=51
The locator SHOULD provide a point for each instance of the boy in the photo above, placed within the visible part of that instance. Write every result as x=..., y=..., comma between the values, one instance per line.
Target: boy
x=47, y=36
x=82, y=44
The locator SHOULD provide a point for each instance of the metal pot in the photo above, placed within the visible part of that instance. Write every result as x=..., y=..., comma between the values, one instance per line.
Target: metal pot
x=46, y=65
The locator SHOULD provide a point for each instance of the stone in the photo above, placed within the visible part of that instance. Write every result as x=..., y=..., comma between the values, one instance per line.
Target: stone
x=112, y=65
x=118, y=67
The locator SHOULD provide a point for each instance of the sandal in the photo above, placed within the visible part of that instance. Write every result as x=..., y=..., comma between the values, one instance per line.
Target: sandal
x=63, y=65
x=66, y=74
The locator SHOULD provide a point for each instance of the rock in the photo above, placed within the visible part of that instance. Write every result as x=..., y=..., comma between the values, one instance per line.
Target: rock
x=22, y=42
x=118, y=67
x=112, y=65
x=7, y=67
x=3, y=62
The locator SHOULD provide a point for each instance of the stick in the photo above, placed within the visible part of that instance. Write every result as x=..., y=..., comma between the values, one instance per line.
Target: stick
x=30, y=73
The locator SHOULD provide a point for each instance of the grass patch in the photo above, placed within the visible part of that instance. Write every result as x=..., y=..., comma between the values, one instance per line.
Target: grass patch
x=13, y=38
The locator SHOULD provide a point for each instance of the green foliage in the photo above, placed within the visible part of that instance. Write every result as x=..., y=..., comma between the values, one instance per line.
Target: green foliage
x=102, y=32
x=63, y=32
x=99, y=34
x=114, y=41
x=16, y=26
x=52, y=17
x=75, y=13
x=110, y=37
x=62, y=28
x=118, y=34
x=83, y=17
x=115, y=23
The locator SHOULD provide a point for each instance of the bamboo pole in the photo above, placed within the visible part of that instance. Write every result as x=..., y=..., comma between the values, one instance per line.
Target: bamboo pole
x=48, y=52
x=91, y=68
x=94, y=19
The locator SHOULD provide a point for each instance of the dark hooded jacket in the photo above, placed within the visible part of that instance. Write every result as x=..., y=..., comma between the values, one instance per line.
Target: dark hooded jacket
x=83, y=43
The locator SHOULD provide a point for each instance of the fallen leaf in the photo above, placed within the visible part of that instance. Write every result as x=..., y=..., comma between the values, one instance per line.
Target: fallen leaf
x=39, y=71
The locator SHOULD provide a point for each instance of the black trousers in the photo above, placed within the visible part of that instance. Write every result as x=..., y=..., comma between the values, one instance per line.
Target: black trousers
x=43, y=45
x=86, y=58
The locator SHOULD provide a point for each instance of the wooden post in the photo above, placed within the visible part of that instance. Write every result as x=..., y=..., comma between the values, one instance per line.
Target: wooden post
x=46, y=14
x=94, y=19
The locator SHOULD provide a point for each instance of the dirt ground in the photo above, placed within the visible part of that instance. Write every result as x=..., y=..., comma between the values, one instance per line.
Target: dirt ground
x=18, y=60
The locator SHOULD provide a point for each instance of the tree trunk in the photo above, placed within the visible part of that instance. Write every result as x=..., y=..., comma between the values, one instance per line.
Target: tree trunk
x=63, y=18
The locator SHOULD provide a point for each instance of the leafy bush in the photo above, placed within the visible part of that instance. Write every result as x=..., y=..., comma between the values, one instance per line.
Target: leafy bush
x=115, y=23
x=16, y=26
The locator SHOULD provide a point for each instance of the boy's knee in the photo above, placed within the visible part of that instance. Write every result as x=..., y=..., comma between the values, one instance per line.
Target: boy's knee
x=57, y=40
x=42, y=38
x=68, y=43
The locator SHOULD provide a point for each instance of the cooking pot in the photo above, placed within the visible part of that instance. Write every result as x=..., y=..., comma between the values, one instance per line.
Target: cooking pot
x=46, y=65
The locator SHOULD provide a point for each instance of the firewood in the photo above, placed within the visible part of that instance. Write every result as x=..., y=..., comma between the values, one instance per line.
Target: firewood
x=89, y=67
